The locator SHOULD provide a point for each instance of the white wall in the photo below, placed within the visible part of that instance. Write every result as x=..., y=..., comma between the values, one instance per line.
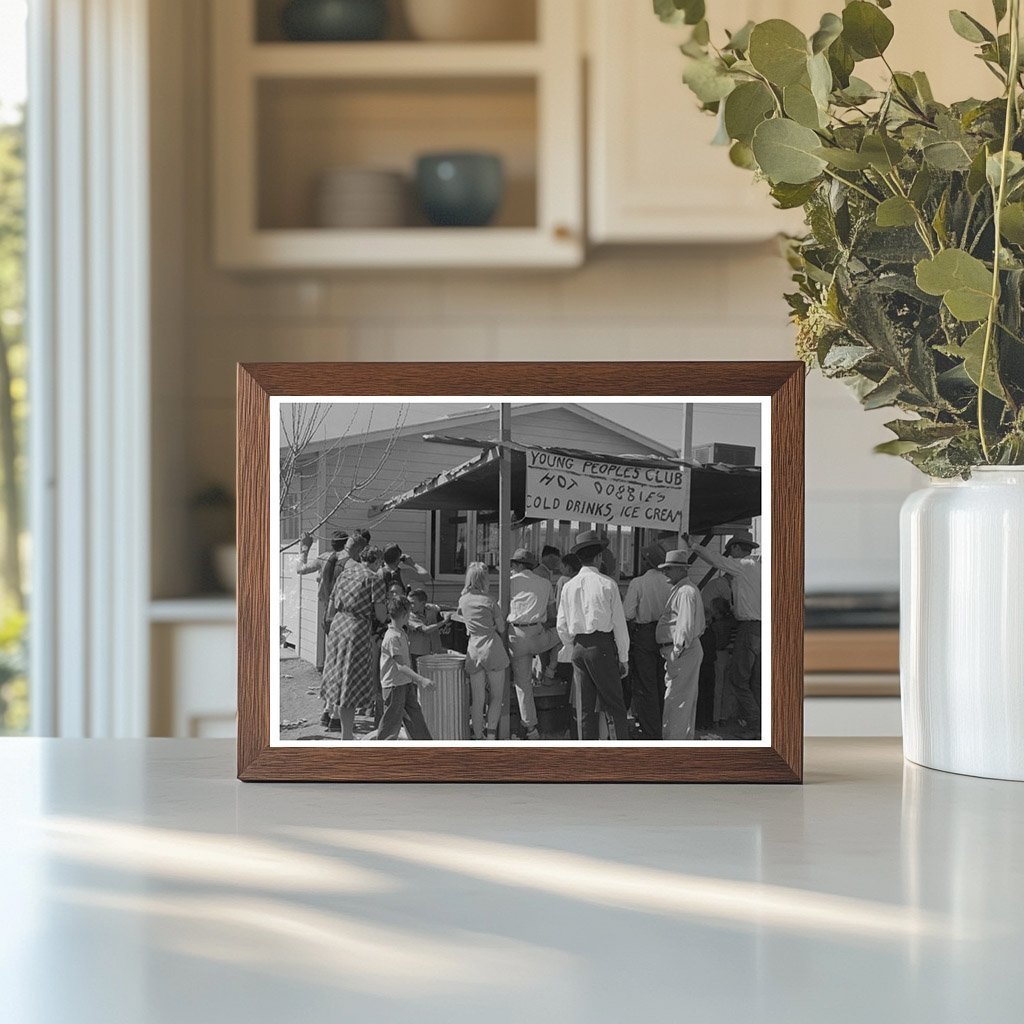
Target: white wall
x=717, y=302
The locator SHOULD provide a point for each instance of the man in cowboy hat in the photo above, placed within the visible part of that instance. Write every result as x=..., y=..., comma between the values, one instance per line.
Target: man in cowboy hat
x=591, y=620
x=531, y=600
x=645, y=601
x=678, y=632
x=745, y=666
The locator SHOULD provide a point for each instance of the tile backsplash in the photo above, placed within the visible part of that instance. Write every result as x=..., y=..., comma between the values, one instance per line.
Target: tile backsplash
x=701, y=303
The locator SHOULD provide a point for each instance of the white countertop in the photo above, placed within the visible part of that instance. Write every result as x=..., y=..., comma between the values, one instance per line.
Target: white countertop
x=142, y=884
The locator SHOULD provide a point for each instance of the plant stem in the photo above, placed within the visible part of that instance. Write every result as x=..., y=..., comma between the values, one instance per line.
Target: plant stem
x=993, y=309
x=922, y=225
x=855, y=187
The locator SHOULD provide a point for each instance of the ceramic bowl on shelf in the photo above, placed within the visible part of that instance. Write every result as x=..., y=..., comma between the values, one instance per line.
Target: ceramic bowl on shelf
x=460, y=189
x=331, y=21
x=361, y=198
x=469, y=20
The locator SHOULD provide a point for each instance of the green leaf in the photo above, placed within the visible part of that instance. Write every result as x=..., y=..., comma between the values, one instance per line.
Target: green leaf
x=1012, y=223
x=976, y=174
x=866, y=29
x=841, y=60
x=707, y=80
x=800, y=105
x=923, y=431
x=858, y=91
x=785, y=152
x=789, y=197
x=676, y=12
x=906, y=90
x=896, y=212
x=883, y=153
x=844, y=159
x=885, y=394
x=896, y=447
x=968, y=28
x=963, y=281
x=921, y=185
x=742, y=155
x=778, y=50
x=829, y=30
x=739, y=41
x=745, y=108
x=820, y=76
x=946, y=156
x=971, y=352
x=924, y=88
x=1014, y=169
x=939, y=220
x=999, y=7
x=701, y=33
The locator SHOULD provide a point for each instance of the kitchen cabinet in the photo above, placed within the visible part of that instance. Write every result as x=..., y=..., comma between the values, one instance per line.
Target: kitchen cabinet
x=653, y=175
x=192, y=670
x=287, y=113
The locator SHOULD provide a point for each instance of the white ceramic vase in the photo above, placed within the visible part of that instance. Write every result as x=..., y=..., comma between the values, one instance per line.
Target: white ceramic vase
x=962, y=624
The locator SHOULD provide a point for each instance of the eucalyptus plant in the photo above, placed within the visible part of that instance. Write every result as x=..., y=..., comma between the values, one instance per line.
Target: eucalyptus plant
x=909, y=280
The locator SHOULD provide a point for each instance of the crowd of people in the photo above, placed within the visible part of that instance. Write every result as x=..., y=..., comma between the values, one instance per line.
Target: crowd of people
x=679, y=646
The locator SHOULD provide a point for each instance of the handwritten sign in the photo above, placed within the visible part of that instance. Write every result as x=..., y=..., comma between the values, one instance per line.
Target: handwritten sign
x=589, y=490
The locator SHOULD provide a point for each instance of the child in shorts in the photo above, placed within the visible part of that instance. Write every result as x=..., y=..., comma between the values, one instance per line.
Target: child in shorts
x=399, y=680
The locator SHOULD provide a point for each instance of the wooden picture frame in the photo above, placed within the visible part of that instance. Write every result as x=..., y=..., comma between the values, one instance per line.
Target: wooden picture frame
x=780, y=759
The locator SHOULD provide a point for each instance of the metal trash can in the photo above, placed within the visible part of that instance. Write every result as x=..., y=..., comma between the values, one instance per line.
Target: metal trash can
x=446, y=703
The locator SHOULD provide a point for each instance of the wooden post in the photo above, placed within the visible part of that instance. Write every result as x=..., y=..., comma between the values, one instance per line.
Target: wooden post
x=505, y=539
x=686, y=454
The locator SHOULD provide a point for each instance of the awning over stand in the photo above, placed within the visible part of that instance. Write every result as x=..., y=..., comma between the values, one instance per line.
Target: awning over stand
x=718, y=494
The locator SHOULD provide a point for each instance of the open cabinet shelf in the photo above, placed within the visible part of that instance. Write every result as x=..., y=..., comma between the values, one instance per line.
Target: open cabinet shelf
x=288, y=114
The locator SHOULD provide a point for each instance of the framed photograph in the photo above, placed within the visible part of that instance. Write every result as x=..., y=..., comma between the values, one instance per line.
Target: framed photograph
x=517, y=572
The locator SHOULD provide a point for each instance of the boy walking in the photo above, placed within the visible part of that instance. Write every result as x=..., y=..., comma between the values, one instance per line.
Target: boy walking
x=399, y=680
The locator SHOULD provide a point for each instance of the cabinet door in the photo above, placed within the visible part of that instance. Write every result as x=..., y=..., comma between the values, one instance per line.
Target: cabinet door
x=654, y=175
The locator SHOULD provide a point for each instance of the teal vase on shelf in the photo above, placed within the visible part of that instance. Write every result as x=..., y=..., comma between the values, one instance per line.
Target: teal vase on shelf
x=329, y=21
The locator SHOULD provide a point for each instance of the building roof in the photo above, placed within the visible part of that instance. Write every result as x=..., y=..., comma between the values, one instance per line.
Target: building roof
x=490, y=414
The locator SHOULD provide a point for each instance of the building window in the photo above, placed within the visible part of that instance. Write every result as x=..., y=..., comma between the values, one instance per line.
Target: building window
x=452, y=543
x=467, y=536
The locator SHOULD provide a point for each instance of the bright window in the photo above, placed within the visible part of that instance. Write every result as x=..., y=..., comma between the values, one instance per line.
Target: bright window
x=14, y=704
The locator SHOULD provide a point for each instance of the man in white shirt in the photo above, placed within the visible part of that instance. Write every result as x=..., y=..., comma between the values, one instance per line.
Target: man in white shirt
x=745, y=665
x=591, y=619
x=678, y=632
x=646, y=598
x=531, y=600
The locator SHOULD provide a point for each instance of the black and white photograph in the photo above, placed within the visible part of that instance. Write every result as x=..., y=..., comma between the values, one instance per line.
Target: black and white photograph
x=553, y=571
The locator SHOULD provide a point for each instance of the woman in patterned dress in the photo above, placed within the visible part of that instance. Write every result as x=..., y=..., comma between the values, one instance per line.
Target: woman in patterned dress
x=350, y=678
x=486, y=658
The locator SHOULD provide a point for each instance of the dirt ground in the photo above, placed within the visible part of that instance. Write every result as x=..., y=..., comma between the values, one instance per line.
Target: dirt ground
x=301, y=708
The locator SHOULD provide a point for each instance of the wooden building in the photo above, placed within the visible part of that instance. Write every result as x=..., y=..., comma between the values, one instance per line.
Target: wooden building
x=444, y=542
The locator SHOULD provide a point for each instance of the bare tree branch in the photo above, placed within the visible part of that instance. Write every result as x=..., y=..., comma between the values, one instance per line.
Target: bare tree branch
x=300, y=438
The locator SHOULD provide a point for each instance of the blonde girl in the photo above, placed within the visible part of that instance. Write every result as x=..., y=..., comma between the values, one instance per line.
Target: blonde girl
x=486, y=658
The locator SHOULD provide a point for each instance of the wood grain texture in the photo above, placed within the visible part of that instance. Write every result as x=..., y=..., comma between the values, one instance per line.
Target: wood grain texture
x=521, y=762
x=852, y=650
